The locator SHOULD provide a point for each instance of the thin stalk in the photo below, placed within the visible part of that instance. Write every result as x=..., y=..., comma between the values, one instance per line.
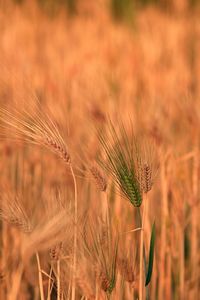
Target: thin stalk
x=182, y=265
x=139, y=220
x=75, y=234
x=40, y=277
x=58, y=280
x=164, y=217
x=168, y=281
x=148, y=233
x=49, y=284
x=96, y=289
x=69, y=291
x=108, y=296
x=194, y=218
x=142, y=250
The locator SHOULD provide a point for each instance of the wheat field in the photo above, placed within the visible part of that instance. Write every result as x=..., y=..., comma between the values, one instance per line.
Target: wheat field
x=99, y=150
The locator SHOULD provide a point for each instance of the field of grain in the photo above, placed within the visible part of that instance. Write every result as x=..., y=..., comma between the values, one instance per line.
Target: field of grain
x=99, y=150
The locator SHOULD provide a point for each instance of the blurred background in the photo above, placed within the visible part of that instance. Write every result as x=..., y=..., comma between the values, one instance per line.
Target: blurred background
x=86, y=60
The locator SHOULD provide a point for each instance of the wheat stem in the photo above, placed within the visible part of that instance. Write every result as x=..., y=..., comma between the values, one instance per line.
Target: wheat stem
x=96, y=288
x=141, y=248
x=164, y=216
x=49, y=284
x=194, y=216
x=58, y=279
x=75, y=234
x=182, y=263
x=40, y=277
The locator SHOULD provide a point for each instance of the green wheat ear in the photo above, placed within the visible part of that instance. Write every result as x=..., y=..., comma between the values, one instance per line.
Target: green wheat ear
x=121, y=154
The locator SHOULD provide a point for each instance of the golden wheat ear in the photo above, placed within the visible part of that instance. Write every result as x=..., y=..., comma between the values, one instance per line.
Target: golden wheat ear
x=13, y=212
x=99, y=178
x=34, y=126
x=146, y=163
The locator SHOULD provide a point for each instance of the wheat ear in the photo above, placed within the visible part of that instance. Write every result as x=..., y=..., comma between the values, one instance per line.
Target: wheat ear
x=99, y=179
